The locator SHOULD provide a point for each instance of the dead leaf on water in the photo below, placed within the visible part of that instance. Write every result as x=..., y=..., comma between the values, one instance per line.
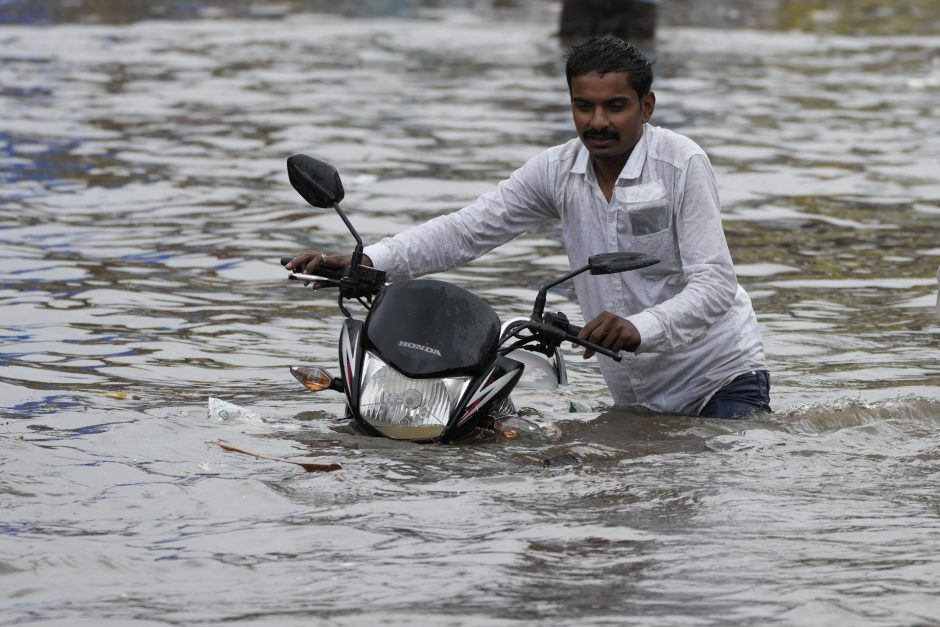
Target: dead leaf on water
x=308, y=466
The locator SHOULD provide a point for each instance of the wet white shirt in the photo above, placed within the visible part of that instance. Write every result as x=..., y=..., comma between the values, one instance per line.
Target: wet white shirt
x=697, y=324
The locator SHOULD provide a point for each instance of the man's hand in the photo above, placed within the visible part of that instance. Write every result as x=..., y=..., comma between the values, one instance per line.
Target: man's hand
x=610, y=331
x=309, y=261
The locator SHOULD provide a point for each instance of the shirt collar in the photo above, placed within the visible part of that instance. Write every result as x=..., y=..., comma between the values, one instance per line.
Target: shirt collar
x=631, y=170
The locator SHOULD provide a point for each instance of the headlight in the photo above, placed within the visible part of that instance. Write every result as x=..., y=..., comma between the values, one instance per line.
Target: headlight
x=406, y=409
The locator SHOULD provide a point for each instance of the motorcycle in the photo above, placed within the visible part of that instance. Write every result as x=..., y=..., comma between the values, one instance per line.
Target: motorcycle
x=431, y=361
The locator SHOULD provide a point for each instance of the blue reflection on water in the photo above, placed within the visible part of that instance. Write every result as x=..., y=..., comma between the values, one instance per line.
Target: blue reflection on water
x=50, y=164
x=43, y=406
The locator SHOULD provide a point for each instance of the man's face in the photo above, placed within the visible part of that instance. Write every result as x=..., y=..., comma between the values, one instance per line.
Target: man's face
x=608, y=115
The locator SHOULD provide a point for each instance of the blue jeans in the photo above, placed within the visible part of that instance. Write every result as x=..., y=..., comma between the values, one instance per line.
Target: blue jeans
x=748, y=394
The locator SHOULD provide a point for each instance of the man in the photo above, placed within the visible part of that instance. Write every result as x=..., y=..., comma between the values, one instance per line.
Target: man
x=623, y=185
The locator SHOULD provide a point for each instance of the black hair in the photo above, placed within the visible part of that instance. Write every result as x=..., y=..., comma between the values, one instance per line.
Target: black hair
x=611, y=54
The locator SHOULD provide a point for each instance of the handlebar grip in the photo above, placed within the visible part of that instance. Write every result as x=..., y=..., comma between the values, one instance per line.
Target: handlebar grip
x=331, y=273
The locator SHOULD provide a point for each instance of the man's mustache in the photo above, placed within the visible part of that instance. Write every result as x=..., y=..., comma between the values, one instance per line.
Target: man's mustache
x=604, y=134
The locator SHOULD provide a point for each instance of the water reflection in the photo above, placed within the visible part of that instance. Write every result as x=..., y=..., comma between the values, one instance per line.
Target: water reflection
x=830, y=200
x=824, y=16
x=129, y=11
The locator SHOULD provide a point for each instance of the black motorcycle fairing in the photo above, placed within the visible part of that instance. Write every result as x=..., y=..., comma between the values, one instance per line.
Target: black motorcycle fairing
x=476, y=409
x=429, y=328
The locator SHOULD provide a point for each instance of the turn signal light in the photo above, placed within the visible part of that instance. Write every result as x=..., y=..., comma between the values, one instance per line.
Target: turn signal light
x=314, y=379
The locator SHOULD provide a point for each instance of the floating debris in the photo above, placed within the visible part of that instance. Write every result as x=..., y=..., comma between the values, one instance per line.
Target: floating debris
x=560, y=461
x=578, y=407
x=123, y=396
x=308, y=466
x=223, y=411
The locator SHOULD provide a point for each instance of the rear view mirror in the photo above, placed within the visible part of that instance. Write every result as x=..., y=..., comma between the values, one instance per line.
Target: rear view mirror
x=611, y=263
x=317, y=181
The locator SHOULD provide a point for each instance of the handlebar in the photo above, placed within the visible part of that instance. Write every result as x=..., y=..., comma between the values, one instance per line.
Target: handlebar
x=552, y=330
x=557, y=326
x=560, y=321
x=355, y=281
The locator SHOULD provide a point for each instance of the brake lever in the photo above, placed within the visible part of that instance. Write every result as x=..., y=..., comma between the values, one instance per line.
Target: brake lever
x=325, y=281
x=330, y=275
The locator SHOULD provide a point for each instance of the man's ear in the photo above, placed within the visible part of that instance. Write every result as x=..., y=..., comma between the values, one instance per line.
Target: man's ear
x=649, y=103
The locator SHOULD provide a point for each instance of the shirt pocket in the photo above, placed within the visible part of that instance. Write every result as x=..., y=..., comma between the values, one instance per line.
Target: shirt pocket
x=644, y=226
x=644, y=209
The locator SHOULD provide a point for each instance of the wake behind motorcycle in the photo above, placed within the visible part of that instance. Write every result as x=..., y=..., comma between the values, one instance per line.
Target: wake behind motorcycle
x=431, y=361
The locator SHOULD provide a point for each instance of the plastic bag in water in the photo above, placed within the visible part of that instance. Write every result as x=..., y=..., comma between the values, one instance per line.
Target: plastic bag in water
x=579, y=407
x=223, y=411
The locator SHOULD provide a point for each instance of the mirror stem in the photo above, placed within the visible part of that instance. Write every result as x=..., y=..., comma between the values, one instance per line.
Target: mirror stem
x=357, y=253
x=539, y=308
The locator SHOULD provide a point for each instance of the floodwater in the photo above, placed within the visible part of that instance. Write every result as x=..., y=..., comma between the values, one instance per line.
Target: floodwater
x=144, y=205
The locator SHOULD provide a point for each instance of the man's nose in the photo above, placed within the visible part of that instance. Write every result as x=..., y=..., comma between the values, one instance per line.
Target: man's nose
x=599, y=119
